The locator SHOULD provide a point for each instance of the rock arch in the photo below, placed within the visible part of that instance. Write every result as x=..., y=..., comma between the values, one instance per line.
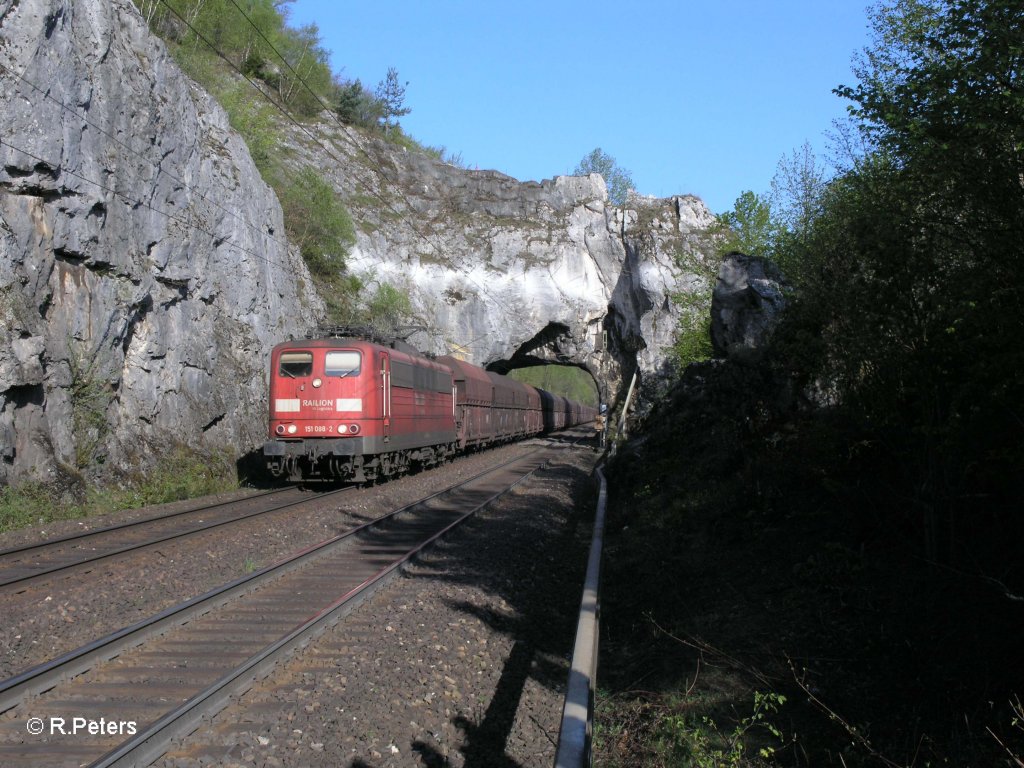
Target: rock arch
x=553, y=345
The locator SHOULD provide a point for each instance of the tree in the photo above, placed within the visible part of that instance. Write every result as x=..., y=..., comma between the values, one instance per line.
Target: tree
x=797, y=188
x=910, y=262
x=388, y=308
x=318, y=222
x=357, y=106
x=391, y=96
x=751, y=226
x=619, y=180
x=941, y=90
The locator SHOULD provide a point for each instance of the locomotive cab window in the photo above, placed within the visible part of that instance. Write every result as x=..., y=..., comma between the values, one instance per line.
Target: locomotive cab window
x=342, y=362
x=296, y=364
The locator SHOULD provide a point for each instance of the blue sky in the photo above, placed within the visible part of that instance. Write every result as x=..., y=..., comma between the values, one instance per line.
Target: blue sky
x=691, y=97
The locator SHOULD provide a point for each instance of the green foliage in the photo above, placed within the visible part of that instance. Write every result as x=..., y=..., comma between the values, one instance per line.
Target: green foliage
x=340, y=292
x=619, y=180
x=699, y=742
x=750, y=227
x=388, y=308
x=692, y=341
x=565, y=380
x=90, y=397
x=684, y=731
x=181, y=474
x=441, y=153
x=797, y=189
x=289, y=61
x=357, y=106
x=317, y=222
x=908, y=272
x=26, y=504
x=291, y=69
x=254, y=119
x=390, y=95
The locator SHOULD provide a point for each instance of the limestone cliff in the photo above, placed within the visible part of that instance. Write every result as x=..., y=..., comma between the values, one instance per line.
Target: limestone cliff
x=143, y=270
x=504, y=272
x=145, y=275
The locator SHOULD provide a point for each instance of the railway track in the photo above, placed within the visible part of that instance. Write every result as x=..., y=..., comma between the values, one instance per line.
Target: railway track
x=67, y=555
x=133, y=692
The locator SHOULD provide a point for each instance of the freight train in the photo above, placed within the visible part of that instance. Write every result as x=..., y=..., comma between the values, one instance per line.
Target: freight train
x=360, y=410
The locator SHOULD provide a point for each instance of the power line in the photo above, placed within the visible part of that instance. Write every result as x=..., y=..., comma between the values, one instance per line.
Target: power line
x=217, y=240
x=251, y=82
x=281, y=57
x=158, y=167
x=191, y=223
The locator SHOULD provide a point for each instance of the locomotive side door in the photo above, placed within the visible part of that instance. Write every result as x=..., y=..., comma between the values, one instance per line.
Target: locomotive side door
x=385, y=395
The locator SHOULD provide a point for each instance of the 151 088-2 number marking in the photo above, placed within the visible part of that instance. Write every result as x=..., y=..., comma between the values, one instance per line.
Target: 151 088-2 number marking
x=319, y=429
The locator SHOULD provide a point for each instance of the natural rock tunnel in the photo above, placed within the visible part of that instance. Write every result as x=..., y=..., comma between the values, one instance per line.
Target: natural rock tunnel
x=555, y=345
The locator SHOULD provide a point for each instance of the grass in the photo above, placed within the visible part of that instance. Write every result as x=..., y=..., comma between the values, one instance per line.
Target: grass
x=182, y=474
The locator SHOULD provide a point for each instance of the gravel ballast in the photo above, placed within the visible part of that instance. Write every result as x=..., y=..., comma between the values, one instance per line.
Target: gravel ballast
x=42, y=621
x=461, y=661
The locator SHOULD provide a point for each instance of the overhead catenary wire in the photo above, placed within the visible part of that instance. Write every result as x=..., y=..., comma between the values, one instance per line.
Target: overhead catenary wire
x=280, y=107
x=251, y=82
x=157, y=166
x=190, y=221
x=217, y=239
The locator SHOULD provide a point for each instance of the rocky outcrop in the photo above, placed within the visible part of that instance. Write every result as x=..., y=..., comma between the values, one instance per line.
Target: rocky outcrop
x=143, y=270
x=745, y=307
x=507, y=273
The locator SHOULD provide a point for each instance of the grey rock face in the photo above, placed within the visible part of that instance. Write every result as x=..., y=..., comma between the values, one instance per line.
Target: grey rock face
x=144, y=274
x=143, y=270
x=745, y=306
x=505, y=273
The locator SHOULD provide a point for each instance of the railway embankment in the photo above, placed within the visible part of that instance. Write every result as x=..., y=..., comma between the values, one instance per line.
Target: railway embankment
x=769, y=598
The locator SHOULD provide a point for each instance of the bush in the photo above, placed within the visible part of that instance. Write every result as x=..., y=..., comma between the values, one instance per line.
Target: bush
x=318, y=222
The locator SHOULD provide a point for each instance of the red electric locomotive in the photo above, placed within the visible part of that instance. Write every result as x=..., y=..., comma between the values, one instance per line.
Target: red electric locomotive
x=351, y=409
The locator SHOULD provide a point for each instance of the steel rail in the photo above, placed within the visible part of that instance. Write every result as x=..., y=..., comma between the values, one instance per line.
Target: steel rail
x=46, y=571
x=42, y=677
x=131, y=523
x=151, y=743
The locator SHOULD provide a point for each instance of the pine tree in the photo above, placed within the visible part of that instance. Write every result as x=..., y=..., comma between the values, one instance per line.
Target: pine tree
x=391, y=95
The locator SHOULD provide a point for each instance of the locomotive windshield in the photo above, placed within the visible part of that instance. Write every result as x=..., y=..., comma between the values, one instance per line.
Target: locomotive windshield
x=295, y=364
x=343, y=362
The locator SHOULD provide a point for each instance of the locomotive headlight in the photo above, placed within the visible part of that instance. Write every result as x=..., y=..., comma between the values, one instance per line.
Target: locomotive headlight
x=354, y=429
x=292, y=429
x=280, y=429
x=317, y=382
